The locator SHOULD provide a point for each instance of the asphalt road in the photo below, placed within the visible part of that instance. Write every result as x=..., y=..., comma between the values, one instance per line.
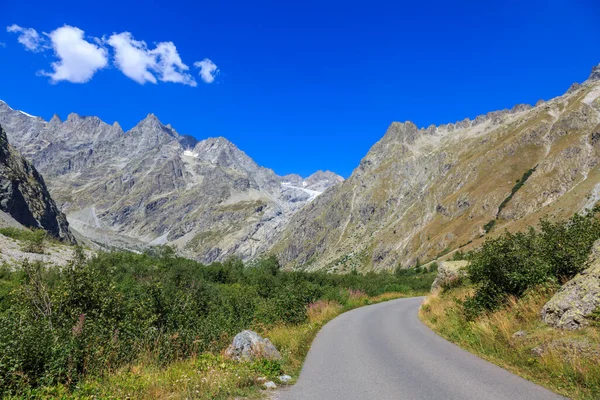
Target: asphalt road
x=384, y=351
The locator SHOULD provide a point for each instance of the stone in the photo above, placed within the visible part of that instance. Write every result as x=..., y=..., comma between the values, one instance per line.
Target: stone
x=249, y=345
x=538, y=351
x=577, y=299
x=270, y=385
x=285, y=378
x=519, y=334
x=449, y=271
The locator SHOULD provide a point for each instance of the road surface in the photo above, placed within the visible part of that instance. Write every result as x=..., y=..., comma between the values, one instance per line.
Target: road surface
x=384, y=351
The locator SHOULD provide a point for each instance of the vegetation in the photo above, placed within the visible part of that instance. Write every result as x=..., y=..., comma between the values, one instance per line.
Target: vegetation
x=495, y=311
x=514, y=263
x=124, y=324
x=520, y=182
x=33, y=240
x=514, y=337
x=515, y=189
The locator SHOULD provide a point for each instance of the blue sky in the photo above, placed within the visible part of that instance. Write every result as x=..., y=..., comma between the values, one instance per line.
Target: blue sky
x=301, y=85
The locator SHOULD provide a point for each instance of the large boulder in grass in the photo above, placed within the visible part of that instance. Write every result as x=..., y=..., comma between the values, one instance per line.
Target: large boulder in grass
x=577, y=299
x=249, y=345
x=449, y=272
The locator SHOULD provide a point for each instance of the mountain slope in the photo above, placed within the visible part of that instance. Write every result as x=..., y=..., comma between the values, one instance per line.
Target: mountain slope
x=24, y=197
x=419, y=193
x=151, y=185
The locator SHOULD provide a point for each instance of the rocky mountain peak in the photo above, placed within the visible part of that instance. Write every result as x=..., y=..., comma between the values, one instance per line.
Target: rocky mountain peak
x=151, y=121
x=222, y=152
x=55, y=120
x=402, y=132
x=150, y=133
x=73, y=117
x=595, y=75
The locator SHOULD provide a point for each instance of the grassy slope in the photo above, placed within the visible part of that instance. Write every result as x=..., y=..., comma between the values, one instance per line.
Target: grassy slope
x=569, y=364
x=210, y=376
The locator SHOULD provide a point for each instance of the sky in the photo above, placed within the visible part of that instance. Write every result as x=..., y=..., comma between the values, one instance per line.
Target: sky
x=298, y=85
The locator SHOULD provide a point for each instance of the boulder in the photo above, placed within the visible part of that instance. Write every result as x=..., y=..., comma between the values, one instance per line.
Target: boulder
x=270, y=385
x=249, y=345
x=577, y=299
x=448, y=272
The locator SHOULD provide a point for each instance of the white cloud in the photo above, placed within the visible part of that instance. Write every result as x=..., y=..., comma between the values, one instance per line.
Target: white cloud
x=208, y=70
x=2, y=44
x=170, y=68
x=78, y=59
x=142, y=65
x=132, y=58
x=28, y=37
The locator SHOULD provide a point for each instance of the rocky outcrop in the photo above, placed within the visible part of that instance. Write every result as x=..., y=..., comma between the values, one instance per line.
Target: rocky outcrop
x=24, y=196
x=577, y=299
x=420, y=192
x=595, y=75
x=448, y=273
x=153, y=186
x=249, y=345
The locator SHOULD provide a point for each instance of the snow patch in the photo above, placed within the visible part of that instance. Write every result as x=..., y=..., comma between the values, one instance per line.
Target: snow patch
x=28, y=115
x=313, y=193
x=190, y=153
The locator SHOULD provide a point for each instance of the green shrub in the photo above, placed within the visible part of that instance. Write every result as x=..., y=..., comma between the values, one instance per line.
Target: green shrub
x=33, y=240
x=58, y=325
x=513, y=263
x=488, y=227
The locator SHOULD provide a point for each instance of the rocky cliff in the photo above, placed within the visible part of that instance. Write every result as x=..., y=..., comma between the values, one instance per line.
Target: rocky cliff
x=24, y=196
x=422, y=193
x=151, y=185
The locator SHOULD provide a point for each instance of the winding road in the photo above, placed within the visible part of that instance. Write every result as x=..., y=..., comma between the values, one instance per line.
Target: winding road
x=384, y=351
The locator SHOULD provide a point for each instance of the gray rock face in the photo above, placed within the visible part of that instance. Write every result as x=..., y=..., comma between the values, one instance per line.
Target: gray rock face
x=24, y=196
x=577, y=299
x=448, y=272
x=249, y=345
x=152, y=186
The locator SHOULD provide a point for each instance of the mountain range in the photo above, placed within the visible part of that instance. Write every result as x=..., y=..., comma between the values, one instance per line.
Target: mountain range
x=422, y=193
x=418, y=194
x=152, y=186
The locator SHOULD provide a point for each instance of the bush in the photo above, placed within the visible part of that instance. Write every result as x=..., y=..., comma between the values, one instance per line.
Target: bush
x=513, y=263
x=33, y=239
x=58, y=325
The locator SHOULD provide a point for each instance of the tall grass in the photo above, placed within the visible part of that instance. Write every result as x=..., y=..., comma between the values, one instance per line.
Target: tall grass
x=515, y=338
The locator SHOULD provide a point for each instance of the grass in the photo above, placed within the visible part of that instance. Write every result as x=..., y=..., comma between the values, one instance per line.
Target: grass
x=210, y=375
x=33, y=240
x=569, y=363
